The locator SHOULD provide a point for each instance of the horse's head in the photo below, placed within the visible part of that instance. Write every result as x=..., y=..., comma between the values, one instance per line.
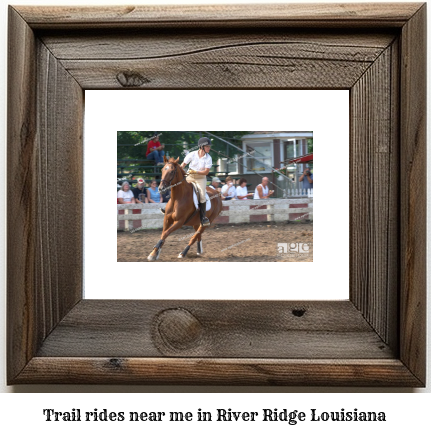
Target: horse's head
x=169, y=172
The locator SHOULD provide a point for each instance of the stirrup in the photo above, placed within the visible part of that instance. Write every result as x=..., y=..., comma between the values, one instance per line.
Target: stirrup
x=205, y=222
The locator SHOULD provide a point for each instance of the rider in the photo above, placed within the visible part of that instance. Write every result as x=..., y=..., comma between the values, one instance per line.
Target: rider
x=200, y=164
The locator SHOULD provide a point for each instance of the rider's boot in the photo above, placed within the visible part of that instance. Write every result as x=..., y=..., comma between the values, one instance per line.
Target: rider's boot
x=204, y=220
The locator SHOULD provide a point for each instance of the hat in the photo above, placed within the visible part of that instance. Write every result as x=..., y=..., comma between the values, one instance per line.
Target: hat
x=216, y=179
x=204, y=141
x=141, y=180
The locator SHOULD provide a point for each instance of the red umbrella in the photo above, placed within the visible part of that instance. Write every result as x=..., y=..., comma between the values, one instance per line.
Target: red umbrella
x=302, y=159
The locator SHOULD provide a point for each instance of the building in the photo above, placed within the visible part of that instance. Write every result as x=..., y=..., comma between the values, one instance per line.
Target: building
x=264, y=151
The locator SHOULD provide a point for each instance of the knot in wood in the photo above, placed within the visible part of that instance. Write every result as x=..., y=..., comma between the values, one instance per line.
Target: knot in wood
x=298, y=312
x=131, y=79
x=178, y=328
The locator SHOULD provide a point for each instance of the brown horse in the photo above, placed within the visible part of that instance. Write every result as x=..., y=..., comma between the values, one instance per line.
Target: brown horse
x=181, y=210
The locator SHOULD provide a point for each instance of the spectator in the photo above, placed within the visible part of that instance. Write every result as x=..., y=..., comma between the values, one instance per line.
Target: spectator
x=241, y=190
x=140, y=192
x=153, y=193
x=155, y=151
x=307, y=179
x=215, y=184
x=125, y=195
x=262, y=191
x=228, y=191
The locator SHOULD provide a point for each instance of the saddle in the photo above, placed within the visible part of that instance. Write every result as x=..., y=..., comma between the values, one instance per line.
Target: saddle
x=196, y=199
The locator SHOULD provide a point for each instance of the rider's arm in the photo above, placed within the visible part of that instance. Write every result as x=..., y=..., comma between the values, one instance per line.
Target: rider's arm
x=186, y=160
x=204, y=172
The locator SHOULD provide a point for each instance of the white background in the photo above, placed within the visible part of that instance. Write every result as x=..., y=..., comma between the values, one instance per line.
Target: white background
x=406, y=411
x=324, y=112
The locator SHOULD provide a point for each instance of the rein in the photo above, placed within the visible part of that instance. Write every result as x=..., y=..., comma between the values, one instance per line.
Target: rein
x=178, y=183
x=175, y=174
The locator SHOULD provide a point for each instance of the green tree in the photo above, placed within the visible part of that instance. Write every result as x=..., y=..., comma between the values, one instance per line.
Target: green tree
x=310, y=145
x=176, y=143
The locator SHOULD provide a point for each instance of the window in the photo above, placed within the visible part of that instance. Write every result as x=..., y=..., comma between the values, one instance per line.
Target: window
x=259, y=158
x=289, y=150
x=232, y=165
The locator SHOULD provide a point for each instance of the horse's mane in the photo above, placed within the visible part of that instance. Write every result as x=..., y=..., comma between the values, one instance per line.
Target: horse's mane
x=174, y=161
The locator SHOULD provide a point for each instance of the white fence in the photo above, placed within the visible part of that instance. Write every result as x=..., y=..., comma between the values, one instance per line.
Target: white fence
x=299, y=193
x=134, y=217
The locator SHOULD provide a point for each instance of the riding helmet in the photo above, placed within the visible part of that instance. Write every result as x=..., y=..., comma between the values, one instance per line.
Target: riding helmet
x=203, y=142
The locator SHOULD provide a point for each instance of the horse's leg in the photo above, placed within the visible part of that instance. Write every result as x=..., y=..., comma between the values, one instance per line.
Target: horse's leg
x=154, y=255
x=200, y=251
x=199, y=230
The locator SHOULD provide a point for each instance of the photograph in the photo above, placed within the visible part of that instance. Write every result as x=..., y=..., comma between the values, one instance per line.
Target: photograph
x=215, y=196
x=276, y=300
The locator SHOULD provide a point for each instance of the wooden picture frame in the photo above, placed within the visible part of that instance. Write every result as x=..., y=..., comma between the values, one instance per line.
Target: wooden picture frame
x=376, y=338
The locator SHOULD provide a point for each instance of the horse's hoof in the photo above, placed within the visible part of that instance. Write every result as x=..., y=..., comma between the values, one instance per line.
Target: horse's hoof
x=151, y=258
x=200, y=248
x=180, y=256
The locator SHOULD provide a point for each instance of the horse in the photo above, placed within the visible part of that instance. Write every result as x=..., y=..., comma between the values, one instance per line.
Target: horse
x=180, y=210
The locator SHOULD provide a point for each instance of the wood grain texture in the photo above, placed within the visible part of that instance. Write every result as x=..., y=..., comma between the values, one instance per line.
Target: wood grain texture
x=413, y=194
x=148, y=44
x=253, y=59
x=374, y=195
x=229, y=329
x=54, y=336
x=21, y=231
x=45, y=108
x=291, y=14
x=59, y=161
x=198, y=371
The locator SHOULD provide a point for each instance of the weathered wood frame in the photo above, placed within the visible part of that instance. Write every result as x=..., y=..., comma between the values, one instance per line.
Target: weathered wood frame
x=377, y=338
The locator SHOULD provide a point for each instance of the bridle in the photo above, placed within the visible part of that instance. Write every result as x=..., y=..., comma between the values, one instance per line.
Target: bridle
x=169, y=184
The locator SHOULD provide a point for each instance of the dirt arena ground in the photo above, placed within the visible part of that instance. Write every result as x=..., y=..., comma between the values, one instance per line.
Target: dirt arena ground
x=253, y=242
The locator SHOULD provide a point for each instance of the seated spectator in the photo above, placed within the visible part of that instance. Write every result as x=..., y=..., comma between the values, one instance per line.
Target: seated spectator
x=262, y=191
x=153, y=194
x=155, y=151
x=140, y=192
x=241, y=190
x=215, y=184
x=228, y=191
x=125, y=195
x=166, y=196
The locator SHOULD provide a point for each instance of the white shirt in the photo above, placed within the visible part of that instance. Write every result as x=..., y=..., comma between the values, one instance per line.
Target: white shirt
x=265, y=192
x=198, y=163
x=241, y=191
x=126, y=196
x=231, y=193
